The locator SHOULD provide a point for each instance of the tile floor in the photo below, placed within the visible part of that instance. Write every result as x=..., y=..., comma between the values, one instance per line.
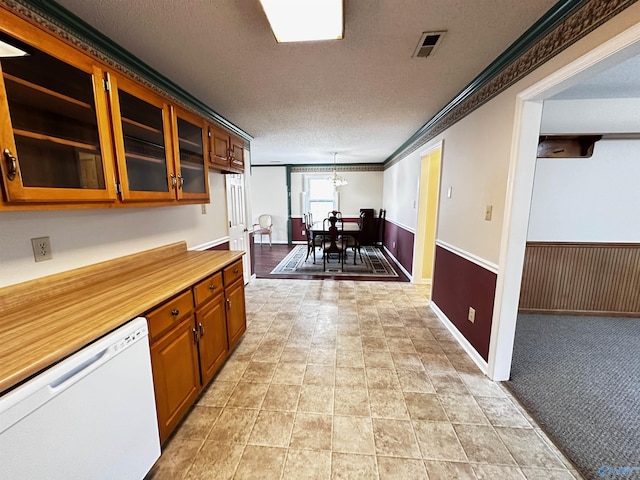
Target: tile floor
x=354, y=380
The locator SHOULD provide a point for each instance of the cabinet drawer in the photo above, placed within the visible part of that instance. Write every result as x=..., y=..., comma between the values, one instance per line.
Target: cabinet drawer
x=232, y=272
x=208, y=288
x=169, y=314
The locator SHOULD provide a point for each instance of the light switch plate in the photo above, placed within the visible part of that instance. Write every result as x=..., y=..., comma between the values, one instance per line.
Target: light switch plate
x=488, y=213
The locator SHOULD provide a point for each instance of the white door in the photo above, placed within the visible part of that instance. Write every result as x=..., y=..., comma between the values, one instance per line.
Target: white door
x=237, y=215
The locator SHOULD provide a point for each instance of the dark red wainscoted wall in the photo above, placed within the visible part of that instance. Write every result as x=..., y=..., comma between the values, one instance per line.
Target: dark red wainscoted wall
x=400, y=243
x=459, y=284
x=297, y=229
x=222, y=246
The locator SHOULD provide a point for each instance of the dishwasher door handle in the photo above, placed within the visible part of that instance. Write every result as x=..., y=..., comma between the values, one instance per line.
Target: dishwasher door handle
x=68, y=378
x=12, y=414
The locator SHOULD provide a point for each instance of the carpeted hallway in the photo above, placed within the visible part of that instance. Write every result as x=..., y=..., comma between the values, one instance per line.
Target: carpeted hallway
x=579, y=377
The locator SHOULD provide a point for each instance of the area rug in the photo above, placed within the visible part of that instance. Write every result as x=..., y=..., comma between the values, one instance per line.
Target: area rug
x=579, y=377
x=374, y=264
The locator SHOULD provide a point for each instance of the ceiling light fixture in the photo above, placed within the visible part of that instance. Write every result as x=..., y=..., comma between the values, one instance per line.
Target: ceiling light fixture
x=305, y=20
x=336, y=179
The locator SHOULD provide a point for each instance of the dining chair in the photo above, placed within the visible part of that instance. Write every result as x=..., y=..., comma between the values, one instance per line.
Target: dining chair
x=335, y=243
x=314, y=240
x=265, y=226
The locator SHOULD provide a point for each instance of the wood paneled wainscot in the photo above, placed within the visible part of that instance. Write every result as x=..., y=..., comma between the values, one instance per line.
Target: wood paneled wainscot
x=193, y=301
x=581, y=278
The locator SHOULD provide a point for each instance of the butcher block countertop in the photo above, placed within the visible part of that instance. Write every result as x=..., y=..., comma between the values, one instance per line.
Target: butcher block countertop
x=45, y=320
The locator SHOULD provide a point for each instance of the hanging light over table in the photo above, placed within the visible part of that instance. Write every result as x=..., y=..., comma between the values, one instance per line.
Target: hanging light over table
x=336, y=179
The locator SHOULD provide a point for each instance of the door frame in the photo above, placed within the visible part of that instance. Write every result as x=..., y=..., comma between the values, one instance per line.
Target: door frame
x=528, y=116
x=246, y=258
x=427, y=212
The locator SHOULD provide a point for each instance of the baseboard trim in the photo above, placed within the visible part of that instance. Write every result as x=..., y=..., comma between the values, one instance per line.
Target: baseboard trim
x=399, y=265
x=464, y=343
x=586, y=313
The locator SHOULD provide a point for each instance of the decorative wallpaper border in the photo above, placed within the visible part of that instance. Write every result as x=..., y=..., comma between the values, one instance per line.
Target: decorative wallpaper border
x=55, y=19
x=576, y=25
x=339, y=168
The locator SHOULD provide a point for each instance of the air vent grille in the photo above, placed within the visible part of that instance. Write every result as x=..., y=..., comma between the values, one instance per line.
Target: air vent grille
x=428, y=43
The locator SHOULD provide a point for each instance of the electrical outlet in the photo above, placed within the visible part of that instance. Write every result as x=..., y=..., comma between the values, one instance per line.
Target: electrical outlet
x=204, y=208
x=41, y=249
x=472, y=315
x=393, y=244
x=304, y=233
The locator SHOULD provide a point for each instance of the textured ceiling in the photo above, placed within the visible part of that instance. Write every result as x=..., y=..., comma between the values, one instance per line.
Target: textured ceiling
x=362, y=96
x=620, y=81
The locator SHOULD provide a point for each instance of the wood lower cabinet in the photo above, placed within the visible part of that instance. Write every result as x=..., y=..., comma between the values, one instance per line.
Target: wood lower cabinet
x=236, y=316
x=191, y=336
x=174, y=359
x=213, y=345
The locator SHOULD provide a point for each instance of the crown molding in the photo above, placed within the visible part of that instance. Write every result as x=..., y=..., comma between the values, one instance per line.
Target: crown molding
x=59, y=21
x=563, y=25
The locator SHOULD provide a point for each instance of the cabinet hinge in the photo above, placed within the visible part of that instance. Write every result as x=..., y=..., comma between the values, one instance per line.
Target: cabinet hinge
x=105, y=83
x=209, y=133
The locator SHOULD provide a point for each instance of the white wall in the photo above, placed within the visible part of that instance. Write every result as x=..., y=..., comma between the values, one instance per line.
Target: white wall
x=364, y=190
x=610, y=115
x=400, y=192
x=588, y=199
x=475, y=162
x=269, y=195
x=83, y=237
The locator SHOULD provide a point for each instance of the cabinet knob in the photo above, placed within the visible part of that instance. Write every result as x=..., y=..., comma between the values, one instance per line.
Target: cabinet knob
x=13, y=164
x=212, y=287
x=174, y=182
x=235, y=270
x=228, y=304
x=180, y=181
x=175, y=312
x=201, y=327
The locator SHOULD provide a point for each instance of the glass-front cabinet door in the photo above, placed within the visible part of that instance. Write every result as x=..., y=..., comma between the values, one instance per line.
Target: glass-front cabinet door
x=190, y=155
x=55, y=139
x=142, y=132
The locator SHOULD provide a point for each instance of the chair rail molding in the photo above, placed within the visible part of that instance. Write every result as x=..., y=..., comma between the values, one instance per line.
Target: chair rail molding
x=486, y=264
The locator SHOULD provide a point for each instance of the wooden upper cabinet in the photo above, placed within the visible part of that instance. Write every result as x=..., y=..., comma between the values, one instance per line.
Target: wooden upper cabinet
x=220, y=142
x=74, y=132
x=142, y=133
x=190, y=154
x=227, y=151
x=55, y=138
x=237, y=154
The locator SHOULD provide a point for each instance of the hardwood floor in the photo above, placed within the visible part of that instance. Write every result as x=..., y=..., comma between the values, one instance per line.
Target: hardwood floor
x=267, y=257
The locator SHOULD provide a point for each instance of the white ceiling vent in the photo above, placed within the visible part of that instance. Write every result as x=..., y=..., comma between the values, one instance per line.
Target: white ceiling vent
x=428, y=43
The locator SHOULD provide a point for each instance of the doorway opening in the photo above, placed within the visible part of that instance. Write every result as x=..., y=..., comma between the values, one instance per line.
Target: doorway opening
x=427, y=213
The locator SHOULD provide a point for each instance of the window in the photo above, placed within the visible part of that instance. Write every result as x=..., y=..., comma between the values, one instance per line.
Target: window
x=320, y=197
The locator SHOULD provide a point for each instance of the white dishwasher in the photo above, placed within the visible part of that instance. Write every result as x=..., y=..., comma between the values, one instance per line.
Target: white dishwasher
x=91, y=416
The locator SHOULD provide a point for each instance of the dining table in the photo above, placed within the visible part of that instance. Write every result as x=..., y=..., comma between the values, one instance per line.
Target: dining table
x=346, y=228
